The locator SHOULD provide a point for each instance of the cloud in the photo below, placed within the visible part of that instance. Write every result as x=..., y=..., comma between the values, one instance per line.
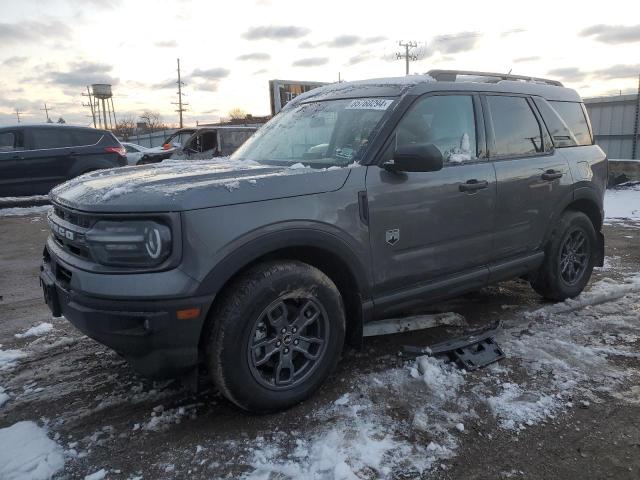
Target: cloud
x=459, y=42
x=33, y=31
x=81, y=74
x=207, y=86
x=342, y=41
x=613, y=34
x=568, y=74
x=14, y=61
x=166, y=44
x=211, y=74
x=618, y=71
x=306, y=44
x=360, y=57
x=513, y=31
x=310, y=62
x=526, y=59
x=376, y=39
x=260, y=72
x=258, y=56
x=166, y=84
x=272, y=32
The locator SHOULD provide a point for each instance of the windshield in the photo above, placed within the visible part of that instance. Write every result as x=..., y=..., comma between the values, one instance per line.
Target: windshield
x=322, y=134
x=179, y=137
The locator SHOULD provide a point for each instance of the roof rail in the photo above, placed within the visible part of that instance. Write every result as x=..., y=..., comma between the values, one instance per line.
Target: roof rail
x=451, y=75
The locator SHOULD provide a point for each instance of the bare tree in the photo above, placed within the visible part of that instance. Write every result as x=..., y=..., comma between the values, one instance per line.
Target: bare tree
x=125, y=127
x=153, y=120
x=237, y=114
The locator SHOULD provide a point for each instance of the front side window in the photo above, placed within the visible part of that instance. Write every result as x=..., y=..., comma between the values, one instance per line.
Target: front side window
x=573, y=115
x=446, y=121
x=10, y=141
x=51, y=138
x=323, y=134
x=516, y=129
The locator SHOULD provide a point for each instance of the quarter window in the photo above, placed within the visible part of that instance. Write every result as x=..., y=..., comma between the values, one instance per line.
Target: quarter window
x=573, y=115
x=86, y=137
x=446, y=121
x=515, y=127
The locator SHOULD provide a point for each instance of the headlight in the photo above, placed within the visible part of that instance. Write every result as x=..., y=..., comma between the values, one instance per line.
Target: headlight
x=135, y=243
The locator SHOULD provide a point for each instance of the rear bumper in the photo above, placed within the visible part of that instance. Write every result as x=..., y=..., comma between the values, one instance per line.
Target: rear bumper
x=146, y=332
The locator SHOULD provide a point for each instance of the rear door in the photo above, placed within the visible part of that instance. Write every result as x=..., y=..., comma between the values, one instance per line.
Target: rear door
x=47, y=155
x=427, y=227
x=85, y=151
x=532, y=177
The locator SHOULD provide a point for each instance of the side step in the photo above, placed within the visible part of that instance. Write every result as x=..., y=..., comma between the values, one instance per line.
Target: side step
x=471, y=351
x=409, y=324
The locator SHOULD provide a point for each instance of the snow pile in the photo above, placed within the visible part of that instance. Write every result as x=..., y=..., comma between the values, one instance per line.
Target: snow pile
x=8, y=358
x=36, y=331
x=28, y=453
x=23, y=211
x=622, y=203
x=516, y=407
x=99, y=475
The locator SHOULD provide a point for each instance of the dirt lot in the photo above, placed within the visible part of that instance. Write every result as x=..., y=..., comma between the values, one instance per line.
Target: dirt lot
x=565, y=404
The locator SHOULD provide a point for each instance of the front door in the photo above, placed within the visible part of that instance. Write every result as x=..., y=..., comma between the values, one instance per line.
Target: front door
x=427, y=227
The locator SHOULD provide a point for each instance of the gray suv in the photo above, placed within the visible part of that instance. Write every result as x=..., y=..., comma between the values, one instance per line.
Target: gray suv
x=359, y=201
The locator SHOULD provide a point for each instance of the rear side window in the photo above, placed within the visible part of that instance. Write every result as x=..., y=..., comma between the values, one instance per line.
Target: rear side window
x=515, y=127
x=51, y=138
x=573, y=115
x=560, y=133
x=233, y=140
x=10, y=141
x=86, y=137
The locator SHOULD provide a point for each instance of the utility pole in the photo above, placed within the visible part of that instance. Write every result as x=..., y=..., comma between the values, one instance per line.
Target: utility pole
x=90, y=104
x=407, y=55
x=179, y=102
x=46, y=110
x=18, y=114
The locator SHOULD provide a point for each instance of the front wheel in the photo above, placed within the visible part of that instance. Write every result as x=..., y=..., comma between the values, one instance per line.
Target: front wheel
x=277, y=333
x=569, y=258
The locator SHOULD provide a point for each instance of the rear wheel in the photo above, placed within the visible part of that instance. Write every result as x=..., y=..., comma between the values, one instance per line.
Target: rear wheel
x=277, y=333
x=569, y=258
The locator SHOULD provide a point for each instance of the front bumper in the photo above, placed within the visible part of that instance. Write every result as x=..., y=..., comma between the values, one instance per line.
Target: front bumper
x=146, y=332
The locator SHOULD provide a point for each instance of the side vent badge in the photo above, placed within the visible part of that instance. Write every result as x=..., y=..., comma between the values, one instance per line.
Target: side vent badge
x=393, y=236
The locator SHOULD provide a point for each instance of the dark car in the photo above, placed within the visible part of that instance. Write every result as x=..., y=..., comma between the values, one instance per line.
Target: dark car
x=199, y=143
x=358, y=202
x=35, y=158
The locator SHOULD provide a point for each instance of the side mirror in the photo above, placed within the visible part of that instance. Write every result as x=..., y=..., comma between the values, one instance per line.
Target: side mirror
x=422, y=157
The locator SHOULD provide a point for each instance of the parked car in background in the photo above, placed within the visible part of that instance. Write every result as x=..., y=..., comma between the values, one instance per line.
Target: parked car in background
x=35, y=158
x=358, y=202
x=134, y=152
x=200, y=143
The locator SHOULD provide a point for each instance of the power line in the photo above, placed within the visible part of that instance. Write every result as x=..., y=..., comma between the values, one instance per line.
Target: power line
x=180, y=94
x=18, y=114
x=407, y=55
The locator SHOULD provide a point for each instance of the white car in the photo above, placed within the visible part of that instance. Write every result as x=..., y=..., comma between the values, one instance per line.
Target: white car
x=134, y=152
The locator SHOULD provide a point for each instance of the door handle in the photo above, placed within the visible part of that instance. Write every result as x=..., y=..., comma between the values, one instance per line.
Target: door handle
x=551, y=175
x=473, y=185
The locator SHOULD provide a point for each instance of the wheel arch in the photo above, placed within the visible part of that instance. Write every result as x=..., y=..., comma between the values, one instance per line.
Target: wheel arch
x=322, y=250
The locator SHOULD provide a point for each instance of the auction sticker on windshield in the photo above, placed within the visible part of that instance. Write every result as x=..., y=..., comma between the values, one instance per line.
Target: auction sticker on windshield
x=369, y=104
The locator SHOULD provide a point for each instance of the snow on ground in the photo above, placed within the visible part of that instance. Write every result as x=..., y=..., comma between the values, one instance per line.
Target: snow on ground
x=8, y=358
x=622, y=203
x=31, y=198
x=4, y=396
x=565, y=351
x=41, y=329
x=27, y=453
x=22, y=211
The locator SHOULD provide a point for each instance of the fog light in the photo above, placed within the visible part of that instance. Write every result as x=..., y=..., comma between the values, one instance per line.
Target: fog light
x=188, y=313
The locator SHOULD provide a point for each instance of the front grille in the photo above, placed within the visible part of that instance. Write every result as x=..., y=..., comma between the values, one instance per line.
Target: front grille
x=68, y=229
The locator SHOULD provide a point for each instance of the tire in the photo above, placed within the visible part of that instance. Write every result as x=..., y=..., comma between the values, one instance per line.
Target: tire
x=246, y=347
x=555, y=280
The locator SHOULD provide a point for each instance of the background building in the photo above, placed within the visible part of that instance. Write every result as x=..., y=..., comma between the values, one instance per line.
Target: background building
x=615, y=125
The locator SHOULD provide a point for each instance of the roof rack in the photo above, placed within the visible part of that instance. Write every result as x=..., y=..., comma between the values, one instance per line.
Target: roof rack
x=451, y=75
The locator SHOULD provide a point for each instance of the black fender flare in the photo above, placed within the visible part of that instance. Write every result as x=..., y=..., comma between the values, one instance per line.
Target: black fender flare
x=270, y=242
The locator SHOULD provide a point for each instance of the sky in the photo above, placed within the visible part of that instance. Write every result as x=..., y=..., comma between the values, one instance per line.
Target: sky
x=229, y=50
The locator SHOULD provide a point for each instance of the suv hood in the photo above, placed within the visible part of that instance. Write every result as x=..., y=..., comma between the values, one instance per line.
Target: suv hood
x=189, y=185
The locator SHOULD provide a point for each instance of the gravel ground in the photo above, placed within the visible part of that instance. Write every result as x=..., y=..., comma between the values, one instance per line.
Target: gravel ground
x=564, y=404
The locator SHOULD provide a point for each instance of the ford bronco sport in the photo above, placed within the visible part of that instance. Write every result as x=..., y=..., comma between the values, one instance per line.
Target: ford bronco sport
x=359, y=201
